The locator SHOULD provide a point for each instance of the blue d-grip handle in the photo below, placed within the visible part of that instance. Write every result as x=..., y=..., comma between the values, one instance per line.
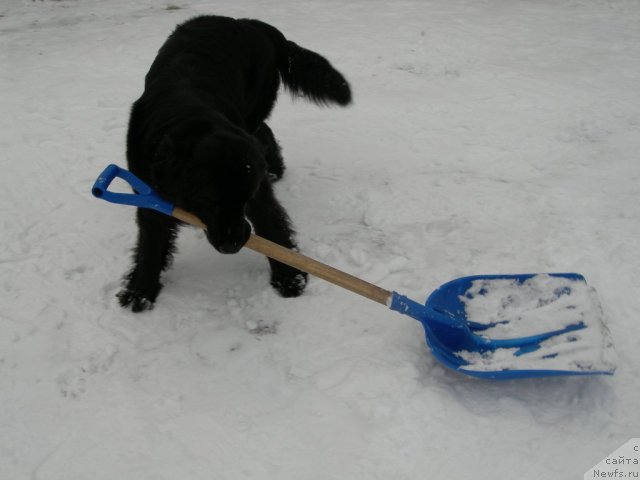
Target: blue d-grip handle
x=144, y=196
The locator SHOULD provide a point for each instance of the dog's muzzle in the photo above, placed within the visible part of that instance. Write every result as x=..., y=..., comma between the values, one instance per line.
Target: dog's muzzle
x=228, y=232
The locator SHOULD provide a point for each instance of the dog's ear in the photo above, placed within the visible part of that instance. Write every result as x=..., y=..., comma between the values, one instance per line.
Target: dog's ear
x=164, y=166
x=174, y=152
x=163, y=149
x=164, y=172
x=179, y=141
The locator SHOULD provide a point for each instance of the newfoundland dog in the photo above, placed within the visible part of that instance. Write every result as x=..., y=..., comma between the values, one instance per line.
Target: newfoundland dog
x=198, y=136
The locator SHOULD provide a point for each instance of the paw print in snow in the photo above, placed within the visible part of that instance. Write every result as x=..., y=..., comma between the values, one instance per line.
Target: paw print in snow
x=73, y=382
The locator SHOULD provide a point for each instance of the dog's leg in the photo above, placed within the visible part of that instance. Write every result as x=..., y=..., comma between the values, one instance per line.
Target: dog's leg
x=273, y=155
x=271, y=221
x=152, y=254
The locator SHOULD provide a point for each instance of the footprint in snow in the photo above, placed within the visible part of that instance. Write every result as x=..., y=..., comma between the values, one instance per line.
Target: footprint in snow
x=72, y=383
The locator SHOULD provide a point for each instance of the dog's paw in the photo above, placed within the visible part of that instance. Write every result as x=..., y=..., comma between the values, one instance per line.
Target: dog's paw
x=136, y=300
x=290, y=286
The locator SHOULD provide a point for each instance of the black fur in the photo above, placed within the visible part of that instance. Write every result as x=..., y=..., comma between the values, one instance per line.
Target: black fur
x=197, y=135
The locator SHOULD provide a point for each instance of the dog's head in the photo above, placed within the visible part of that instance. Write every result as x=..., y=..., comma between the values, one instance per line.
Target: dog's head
x=222, y=171
x=226, y=174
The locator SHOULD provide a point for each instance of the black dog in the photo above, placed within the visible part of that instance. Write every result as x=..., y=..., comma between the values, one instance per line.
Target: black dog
x=197, y=135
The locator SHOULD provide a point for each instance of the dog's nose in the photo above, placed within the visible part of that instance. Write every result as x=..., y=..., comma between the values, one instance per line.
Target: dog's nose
x=230, y=247
x=230, y=239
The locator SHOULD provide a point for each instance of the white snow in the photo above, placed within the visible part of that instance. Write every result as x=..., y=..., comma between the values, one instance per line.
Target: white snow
x=485, y=137
x=540, y=304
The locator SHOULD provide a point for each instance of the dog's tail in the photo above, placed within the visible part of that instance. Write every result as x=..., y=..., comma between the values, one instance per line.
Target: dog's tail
x=304, y=72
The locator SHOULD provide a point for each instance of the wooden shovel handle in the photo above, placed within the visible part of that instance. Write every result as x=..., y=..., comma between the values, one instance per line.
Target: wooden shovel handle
x=302, y=262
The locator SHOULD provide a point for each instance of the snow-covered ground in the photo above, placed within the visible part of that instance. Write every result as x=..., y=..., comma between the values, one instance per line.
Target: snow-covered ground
x=485, y=137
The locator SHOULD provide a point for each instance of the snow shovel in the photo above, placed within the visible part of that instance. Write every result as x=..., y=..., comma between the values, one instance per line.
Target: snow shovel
x=488, y=326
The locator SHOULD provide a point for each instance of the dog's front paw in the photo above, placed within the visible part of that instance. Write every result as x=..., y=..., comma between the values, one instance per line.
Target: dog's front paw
x=290, y=285
x=136, y=300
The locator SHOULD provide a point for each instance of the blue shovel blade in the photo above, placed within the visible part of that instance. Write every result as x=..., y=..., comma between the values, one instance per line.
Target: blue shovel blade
x=571, y=339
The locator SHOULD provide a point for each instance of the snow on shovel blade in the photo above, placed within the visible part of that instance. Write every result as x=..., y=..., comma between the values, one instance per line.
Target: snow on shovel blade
x=522, y=326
